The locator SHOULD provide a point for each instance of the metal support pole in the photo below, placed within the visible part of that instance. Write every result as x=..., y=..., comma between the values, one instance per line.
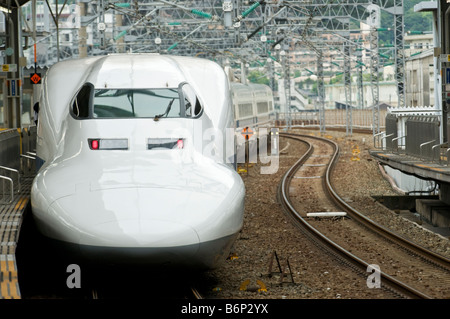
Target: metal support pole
x=243, y=73
x=358, y=54
x=348, y=89
x=82, y=33
x=287, y=89
x=399, y=52
x=15, y=79
x=321, y=92
x=57, y=30
x=374, y=70
x=101, y=24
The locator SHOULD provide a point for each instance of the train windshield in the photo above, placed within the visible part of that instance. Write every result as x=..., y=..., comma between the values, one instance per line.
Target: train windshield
x=131, y=103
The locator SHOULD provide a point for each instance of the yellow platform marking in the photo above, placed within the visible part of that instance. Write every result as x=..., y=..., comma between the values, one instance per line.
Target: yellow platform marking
x=9, y=284
x=432, y=168
x=383, y=155
x=8, y=275
x=21, y=204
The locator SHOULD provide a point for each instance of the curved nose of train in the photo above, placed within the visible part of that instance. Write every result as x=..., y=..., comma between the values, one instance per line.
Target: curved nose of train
x=127, y=217
x=164, y=225
x=135, y=232
x=140, y=241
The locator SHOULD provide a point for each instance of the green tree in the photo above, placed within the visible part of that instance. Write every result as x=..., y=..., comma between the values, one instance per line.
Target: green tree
x=258, y=77
x=337, y=79
x=414, y=21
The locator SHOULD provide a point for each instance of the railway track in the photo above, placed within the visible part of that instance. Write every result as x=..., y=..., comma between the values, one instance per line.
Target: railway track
x=183, y=292
x=313, y=172
x=140, y=283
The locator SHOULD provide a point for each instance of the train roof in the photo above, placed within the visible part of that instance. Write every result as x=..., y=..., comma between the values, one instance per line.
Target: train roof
x=250, y=87
x=138, y=70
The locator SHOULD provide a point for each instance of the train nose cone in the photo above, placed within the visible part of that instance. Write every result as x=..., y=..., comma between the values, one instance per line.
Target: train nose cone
x=143, y=242
x=123, y=217
x=140, y=233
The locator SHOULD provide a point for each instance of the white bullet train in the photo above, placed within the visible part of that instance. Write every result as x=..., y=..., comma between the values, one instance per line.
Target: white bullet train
x=132, y=170
x=253, y=105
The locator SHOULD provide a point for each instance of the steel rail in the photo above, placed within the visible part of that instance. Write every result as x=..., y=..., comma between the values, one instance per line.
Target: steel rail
x=387, y=280
x=195, y=292
x=426, y=254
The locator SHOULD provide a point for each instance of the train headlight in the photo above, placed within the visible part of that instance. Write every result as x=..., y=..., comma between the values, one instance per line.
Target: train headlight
x=165, y=143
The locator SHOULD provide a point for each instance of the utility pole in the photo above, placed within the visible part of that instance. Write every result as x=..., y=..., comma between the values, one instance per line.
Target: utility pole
x=399, y=51
x=321, y=92
x=374, y=21
x=348, y=80
x=82, y=34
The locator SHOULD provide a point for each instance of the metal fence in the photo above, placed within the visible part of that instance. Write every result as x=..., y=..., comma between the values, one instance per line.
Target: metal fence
x=17, y=159
x=333, y=118
x=10, y=148
x=28, y=151
x=29, y=140
x=9, y=165
x=391, y=138
x=423, y=137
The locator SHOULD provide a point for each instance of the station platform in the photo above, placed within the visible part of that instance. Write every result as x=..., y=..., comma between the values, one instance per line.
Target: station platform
x=11, y=218
x=413, y=166
x=436, y=212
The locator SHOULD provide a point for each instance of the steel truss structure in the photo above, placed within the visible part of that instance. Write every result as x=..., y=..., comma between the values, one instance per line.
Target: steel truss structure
x=241, y=32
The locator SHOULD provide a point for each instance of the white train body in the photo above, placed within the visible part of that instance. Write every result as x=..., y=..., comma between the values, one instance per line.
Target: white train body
x=125, y=177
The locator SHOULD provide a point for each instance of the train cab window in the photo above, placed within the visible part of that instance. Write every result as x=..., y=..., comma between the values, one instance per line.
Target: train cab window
x=141, y=103
x=192, y=106
x=263, y=107
x=136, y=103
x=81, y=102
x=245, y=110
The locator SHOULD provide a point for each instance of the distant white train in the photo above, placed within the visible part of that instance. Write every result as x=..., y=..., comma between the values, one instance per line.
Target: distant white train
x=124, y=177
x=253, y=105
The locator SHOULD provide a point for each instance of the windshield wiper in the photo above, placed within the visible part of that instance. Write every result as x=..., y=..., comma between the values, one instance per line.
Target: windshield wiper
x=157, y=117
x=130, y=97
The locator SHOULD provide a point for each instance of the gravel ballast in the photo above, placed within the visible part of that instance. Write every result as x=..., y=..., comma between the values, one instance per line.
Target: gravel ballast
x=267, y=229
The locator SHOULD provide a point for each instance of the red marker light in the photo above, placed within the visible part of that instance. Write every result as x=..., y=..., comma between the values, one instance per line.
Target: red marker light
x=180, y=144
x=110, y=144
x=94, y=144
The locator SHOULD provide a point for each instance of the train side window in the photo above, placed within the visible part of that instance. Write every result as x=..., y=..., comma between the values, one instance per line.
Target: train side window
x=81, y=102
x=192, y=105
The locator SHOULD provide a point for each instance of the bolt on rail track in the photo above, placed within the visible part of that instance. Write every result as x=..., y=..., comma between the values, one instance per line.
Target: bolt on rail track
x=406, y=290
